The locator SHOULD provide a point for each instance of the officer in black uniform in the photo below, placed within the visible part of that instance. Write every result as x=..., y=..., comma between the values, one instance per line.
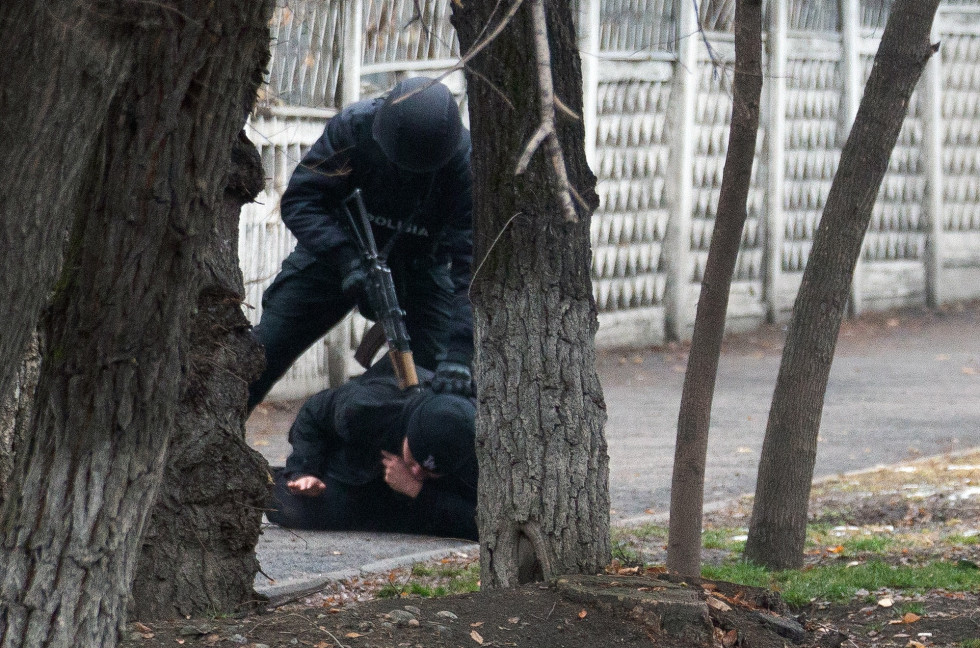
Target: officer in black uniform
x=370, y=456
x=409, y=155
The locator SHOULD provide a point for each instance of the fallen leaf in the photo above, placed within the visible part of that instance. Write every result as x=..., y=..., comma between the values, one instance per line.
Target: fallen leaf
x=730, y=638
x=910, y=617
x=477, y=624
x=835, y=550
x=582, y=614
x=718, y=604
x=893, y=322
x=969, y=371
x=353, y=635
x=514, y=620
x=885, y=602
x=141, y=627
x=914, y=644
x=475, y=636
x=323, y=644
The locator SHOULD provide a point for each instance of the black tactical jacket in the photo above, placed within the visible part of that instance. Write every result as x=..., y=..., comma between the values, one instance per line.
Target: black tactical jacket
x=429, y=215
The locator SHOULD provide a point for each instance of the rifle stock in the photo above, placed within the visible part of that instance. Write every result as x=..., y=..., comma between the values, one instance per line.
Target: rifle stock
x=404, y=366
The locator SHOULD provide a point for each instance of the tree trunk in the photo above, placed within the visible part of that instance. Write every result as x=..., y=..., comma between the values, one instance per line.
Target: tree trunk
x=198, y=554
x=116, y=332
x=777, y=530
x=48, y=126
x=687, y=484
x=15, y=413
x=543, y=461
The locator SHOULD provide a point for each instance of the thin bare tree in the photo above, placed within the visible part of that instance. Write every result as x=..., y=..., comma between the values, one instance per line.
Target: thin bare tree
x=777, y=530
x=693, y=423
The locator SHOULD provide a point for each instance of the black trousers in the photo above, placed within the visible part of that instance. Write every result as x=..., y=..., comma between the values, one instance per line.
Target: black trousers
x=369, y=507
x=305, y=301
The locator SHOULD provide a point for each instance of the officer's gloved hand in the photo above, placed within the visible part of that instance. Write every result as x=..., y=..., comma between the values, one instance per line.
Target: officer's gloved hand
x=354, y=286
x=453, y=378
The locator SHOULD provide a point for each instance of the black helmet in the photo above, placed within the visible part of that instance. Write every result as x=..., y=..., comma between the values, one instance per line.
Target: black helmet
x=422, y=131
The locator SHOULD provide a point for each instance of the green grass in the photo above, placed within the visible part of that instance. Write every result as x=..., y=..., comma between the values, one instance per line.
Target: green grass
x=625, y=553
x=913, y=608
x=958, y=539
x=970, y=643
x=641, y=532
x=447, y=579
x=868, y=544
x=838, y=583
x=721, y=538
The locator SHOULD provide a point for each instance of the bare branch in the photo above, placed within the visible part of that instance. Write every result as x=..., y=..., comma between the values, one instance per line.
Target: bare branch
x=544, y=130
x=546, y=101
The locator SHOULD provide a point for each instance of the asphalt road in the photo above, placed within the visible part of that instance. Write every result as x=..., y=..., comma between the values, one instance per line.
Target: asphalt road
x=903, y=385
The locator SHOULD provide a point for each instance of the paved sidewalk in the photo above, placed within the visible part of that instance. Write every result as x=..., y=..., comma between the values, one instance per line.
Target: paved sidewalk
x=903, y=385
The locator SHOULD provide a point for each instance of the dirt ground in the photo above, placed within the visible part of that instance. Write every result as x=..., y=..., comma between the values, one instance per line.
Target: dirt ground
x=919, y=504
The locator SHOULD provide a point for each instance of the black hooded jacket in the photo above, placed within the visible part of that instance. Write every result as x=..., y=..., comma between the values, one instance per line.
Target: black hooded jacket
x=339, y=434
x=430, y=214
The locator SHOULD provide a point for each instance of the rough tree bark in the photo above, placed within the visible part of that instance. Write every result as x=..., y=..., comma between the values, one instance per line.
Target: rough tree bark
x=151, y=177
x=777, y=530
x=693, y=422
x=540, y=443
x=46, y=126
x=198, y=554
x=15, y=413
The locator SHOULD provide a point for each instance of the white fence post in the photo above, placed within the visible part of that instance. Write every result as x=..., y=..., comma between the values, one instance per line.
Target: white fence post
x=680, y=125
x=589, y=20
x=850, y=11
x=353, y=51
x=932, y=157
x=776, y=158
x=340, y=338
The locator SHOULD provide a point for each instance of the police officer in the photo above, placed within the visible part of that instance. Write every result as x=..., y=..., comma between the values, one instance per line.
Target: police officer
x=409, y=155
x=370, y=456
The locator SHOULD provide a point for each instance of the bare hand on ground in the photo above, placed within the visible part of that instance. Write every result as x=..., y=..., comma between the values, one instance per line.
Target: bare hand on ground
x=307, y=486
x=398, y=475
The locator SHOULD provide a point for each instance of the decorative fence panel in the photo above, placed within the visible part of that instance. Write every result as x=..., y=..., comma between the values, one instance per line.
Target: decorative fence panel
x=960, y=136
x=657, y=118
x=812, y=150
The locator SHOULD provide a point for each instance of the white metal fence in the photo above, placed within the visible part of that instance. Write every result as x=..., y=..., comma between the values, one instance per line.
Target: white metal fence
x=657, y=109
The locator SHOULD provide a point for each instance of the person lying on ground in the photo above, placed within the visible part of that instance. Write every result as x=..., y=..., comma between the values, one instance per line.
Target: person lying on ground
x=368, y=456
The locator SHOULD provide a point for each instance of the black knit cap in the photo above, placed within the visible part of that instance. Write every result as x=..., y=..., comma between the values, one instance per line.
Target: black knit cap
x=441, y=432
x=418, y=126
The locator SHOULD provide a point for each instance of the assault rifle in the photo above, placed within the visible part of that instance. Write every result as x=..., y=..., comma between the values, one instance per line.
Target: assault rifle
x=380, y=291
